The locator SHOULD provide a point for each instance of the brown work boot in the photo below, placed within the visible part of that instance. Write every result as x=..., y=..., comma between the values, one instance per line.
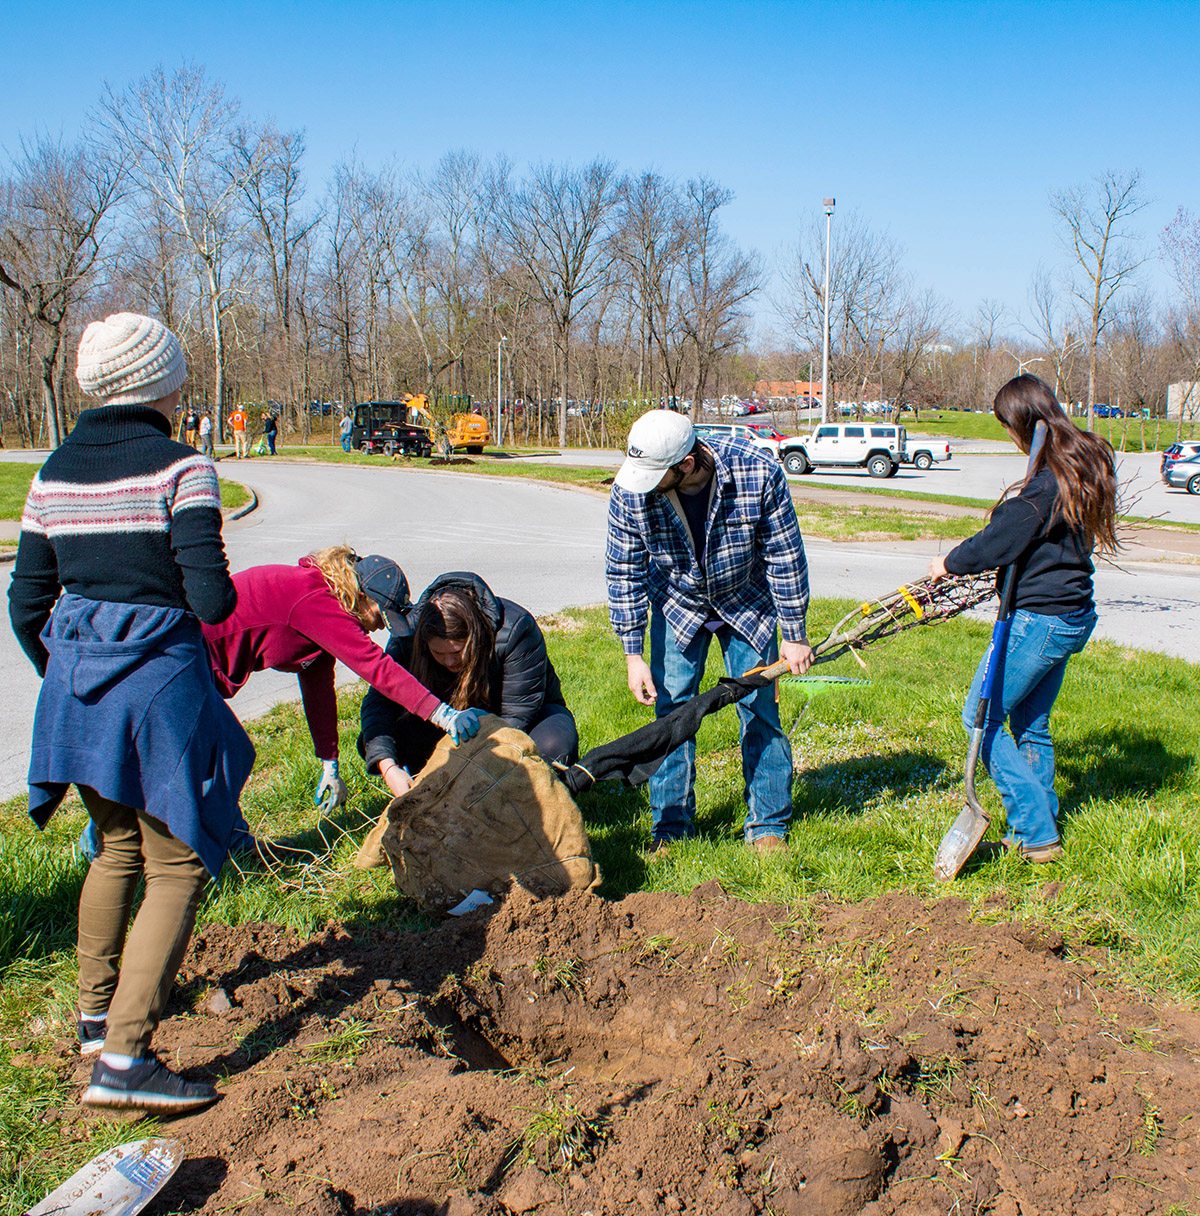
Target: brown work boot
x=768, y=844
x=1037, y=856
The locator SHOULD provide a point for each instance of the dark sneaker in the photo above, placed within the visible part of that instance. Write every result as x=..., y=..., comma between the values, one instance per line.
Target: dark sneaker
x=150, y=1085
x=91, y=1036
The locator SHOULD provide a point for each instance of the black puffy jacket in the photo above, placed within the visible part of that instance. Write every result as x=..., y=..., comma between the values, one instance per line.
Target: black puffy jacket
x=521, y=678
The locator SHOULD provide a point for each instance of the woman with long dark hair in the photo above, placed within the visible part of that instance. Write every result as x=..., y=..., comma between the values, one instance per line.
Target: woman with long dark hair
x=475, y=651
x=1048, y=524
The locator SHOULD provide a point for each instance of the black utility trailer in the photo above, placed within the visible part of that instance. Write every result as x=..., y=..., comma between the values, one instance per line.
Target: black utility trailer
x=383, y=426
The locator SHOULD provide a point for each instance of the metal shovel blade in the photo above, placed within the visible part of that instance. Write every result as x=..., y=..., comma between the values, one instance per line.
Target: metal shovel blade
x=959, y=843
x=119, y=1182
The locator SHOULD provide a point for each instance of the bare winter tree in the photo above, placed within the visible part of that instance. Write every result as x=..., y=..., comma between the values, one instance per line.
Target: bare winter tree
x=177, y=134
x=866, y=286
x=923, y=317
x=718, y=280
x=648, y=241
x=267, y=164
x=554, y=226
x=52, y=214
x=1179, y=247
x=1096, y=216
x=1055, y=325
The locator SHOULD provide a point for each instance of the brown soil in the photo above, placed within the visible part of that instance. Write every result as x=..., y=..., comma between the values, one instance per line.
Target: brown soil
x=679, y=1054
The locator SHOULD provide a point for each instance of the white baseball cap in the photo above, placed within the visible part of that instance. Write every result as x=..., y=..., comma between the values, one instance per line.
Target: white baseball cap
x=657, y=440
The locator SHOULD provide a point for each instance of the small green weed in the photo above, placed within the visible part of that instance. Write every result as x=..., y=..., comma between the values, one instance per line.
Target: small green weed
x=559, y=1137
x=1152, y=1125
x=936, y=1075
x=564, y=973
x=351, y=1039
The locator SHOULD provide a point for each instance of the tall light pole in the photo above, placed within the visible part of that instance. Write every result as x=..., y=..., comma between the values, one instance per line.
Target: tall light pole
x=500, y=390
x=829, y=204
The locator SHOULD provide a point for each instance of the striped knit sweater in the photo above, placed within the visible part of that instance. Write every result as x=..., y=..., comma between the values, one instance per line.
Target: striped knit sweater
x=120, y=512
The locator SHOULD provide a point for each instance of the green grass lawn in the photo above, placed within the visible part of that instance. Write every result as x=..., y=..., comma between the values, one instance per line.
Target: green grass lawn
x=14, y=488
x=15, y=479
x=879, y=772
x=1125, y=434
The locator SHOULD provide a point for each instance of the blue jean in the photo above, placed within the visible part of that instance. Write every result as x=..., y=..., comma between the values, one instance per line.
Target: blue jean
x=1027, y=682
x=345, y=443
x=766, y=755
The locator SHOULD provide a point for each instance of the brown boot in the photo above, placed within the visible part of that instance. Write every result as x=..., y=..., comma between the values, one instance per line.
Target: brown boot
x=768, y=844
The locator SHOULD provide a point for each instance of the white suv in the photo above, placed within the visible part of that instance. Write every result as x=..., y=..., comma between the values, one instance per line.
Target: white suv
x=877, y=447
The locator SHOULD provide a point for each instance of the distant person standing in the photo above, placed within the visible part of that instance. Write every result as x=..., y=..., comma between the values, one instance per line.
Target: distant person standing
x=191, y=426
x=346, y=427
x=206, y=443
x=270, y=431
x=237, y=423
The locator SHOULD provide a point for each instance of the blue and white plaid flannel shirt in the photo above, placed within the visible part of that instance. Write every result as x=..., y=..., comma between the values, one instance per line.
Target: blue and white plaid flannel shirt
x=755, y=572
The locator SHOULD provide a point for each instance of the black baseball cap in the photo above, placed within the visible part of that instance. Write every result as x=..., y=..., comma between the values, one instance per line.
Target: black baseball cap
x=384, y=581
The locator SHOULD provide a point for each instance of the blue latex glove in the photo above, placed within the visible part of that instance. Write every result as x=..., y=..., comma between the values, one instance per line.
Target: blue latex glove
x=459, y=724
x=331, y=789
x=89, y=841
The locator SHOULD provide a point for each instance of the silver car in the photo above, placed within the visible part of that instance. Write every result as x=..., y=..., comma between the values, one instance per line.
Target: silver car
x=1182, y=471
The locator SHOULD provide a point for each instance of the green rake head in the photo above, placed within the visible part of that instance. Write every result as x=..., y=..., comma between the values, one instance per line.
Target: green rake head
x=816, y=686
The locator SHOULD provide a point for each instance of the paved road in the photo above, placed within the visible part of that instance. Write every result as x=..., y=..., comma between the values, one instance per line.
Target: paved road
x=972, y=475
x=543, y=547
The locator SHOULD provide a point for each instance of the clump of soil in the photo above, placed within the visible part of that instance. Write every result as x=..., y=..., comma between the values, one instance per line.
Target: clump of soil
x=678, y=1054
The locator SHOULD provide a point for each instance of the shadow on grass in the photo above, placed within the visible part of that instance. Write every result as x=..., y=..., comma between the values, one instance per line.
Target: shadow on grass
x=843, y=786
x=1114, y=764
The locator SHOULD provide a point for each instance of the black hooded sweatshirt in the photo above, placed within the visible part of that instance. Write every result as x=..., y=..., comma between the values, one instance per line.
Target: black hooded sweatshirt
x=1054, y=563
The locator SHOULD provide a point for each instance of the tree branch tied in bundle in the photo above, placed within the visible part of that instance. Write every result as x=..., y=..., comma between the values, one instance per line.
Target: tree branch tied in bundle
x=924, y=602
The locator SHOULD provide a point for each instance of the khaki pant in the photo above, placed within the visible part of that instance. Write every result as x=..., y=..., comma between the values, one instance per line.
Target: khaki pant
x=240, y=446
x=130, y=977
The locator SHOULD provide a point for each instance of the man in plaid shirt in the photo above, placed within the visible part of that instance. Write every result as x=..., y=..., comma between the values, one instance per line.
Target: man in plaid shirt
x=703, y=543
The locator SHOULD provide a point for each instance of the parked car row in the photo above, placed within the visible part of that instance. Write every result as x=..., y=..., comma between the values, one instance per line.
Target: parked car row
x=1180, y=467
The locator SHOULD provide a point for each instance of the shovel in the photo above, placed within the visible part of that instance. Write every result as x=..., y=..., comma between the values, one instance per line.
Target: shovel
x=968, y=829
x=119, y=1182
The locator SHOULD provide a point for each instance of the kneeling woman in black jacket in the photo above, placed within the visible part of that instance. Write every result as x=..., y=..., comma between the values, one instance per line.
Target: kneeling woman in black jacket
x=476, y=651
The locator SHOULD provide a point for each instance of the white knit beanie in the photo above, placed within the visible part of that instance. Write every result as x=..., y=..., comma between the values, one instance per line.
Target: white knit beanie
x=128, y=359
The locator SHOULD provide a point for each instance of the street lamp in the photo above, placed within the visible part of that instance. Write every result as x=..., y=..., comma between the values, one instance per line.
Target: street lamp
x=828, y=204
x=500, y=390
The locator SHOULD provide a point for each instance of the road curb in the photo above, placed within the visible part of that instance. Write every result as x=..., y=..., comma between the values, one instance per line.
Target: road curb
x=252, y=505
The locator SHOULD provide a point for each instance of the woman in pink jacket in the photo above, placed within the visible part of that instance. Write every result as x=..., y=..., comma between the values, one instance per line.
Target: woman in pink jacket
x=302, y=619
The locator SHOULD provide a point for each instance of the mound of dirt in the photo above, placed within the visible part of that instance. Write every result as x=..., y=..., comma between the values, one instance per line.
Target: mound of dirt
x=679, y=1054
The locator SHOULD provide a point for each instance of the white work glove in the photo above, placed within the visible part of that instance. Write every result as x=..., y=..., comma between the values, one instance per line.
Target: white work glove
x=459, y=724
x=331, y=789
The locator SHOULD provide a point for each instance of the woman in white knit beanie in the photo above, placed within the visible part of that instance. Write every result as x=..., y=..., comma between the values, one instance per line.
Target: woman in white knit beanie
x=128, y=359
x=130, y=521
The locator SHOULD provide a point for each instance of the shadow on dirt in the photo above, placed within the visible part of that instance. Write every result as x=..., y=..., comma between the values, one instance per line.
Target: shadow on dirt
x=194, y=1183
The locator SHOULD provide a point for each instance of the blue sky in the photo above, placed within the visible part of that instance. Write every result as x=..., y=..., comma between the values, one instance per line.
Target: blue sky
x=944, y=123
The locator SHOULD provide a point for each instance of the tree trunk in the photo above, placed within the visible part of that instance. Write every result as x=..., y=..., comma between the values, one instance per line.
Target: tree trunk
x=562, y=408
x=53, y=423
x=218, y=360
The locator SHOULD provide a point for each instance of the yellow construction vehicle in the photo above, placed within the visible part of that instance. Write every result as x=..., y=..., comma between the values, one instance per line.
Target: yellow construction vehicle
x=464, y=427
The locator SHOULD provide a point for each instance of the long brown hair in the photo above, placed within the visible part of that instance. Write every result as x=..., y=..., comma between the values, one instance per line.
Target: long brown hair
x=337, y=564
x=1084, y=465
x=454, y=615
